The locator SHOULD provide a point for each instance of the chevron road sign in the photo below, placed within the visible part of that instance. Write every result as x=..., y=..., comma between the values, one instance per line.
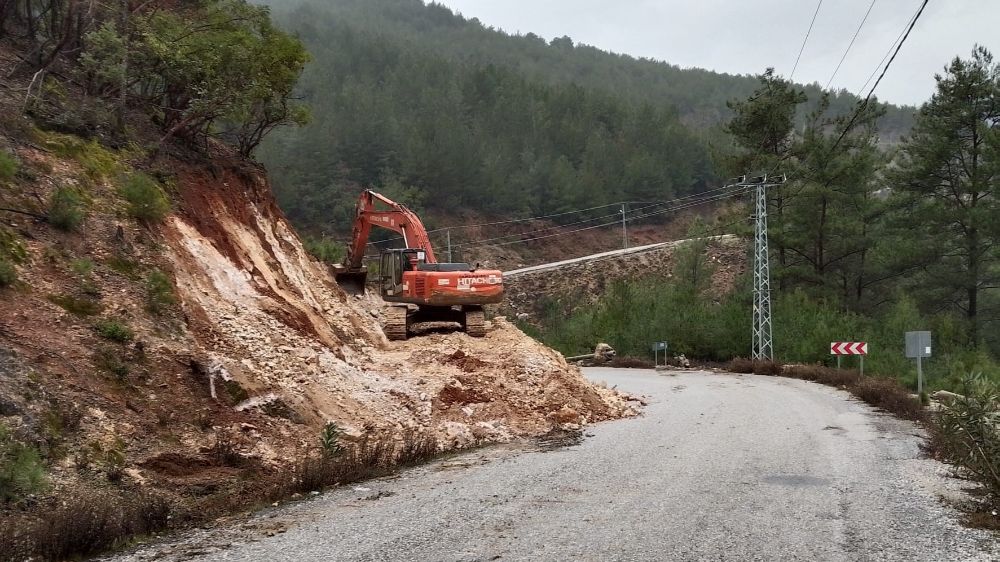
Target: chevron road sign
x=849, y=348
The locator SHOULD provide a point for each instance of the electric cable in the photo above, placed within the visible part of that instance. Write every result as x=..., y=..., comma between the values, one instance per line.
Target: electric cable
x=805, y=40
x=851, y=44
x=553, y=227
x=887, y=53
x=646, y=215
x=862, y=105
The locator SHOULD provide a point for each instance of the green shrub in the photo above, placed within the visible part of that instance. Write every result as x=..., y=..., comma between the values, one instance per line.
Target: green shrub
x=126, y=267
x=66, y=209
x=8, y=167
x=329, y=440
x=110, y=361
x=81, y=306
x=8, y=275
x=967, y=432
x=324, y=249
x=114, y=330
x=147, y=202
x=21, y=468
x=82, y=267
x=97, y=162
x=159, y=292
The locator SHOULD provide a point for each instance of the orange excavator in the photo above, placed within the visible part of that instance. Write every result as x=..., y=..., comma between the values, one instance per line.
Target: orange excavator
x=442, y=292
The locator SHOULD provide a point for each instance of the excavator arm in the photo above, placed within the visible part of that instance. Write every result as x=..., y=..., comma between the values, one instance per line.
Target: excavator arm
x=397, y=218
x=352, y=274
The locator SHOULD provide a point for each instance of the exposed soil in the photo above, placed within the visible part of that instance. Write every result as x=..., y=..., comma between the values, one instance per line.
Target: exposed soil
x=261, y=350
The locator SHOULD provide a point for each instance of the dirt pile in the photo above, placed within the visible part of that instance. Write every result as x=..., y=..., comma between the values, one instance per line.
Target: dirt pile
x=272, y=321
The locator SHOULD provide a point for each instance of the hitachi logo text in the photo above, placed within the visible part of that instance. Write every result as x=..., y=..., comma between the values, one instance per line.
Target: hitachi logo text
x=483, y=280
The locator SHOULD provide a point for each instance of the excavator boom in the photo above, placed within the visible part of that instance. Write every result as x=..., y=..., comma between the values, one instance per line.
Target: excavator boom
x=398, y=218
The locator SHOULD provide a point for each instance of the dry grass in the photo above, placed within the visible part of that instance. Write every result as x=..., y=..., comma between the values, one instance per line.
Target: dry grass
x=983, y=520
x=890, y=396
x=89, y=523
x=630, y=362
x=766, y=367
x=886, y=394
x=83, y=524
x=740, y=365
x=823, y=375
x=757, y=367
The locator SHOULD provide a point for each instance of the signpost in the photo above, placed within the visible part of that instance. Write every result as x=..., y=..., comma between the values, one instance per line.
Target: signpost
x=860, y=348
x=918, y=346
x=657, y=348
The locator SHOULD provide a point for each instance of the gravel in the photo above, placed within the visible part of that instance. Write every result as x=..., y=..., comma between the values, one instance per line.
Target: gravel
x=719, y=467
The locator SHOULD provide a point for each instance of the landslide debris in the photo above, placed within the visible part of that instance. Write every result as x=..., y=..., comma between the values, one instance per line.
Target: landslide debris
x=250, y=350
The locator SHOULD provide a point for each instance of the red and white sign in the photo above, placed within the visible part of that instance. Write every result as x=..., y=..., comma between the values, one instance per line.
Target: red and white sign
x=849, y=348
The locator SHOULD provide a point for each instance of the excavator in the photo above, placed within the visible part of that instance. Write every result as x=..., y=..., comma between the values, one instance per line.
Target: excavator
x=442, y=292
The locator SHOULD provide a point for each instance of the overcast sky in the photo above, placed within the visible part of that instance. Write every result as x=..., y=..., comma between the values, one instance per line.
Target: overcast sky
x=747, y=36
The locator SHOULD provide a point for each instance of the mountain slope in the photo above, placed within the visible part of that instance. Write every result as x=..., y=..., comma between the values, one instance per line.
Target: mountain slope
x=451, y=116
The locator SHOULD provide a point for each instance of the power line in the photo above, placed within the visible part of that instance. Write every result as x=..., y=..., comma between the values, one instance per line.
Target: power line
x=719, y=197
x=592, y=219
x=526, y=219
x=851, y=44
x=805, y=40
x=864, y=104
x=887, y=53
x=617, y=214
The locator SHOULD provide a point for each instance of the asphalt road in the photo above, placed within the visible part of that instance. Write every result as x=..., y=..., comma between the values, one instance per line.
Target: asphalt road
x=719, y=467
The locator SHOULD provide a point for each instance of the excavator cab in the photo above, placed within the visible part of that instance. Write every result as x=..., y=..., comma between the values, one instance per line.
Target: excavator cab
x=392, y=264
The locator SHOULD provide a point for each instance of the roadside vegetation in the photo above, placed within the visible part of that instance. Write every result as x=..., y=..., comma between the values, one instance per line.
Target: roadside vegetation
x=93, y=521
x=966, y=433
x=867, y=243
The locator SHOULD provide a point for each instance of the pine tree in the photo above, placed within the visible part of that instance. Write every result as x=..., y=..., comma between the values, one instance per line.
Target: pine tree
x=949, y=176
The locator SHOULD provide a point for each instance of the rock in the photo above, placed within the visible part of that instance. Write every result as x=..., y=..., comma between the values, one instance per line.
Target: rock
x=565, y=415
x=603, y=352
x=946, y=397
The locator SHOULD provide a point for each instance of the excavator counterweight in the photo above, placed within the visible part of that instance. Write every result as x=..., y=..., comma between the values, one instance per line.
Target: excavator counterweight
x=410, y=279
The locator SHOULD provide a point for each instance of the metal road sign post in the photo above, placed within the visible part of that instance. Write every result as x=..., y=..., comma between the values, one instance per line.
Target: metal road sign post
x=859, y=348
x=657, y=348
x=918, y=346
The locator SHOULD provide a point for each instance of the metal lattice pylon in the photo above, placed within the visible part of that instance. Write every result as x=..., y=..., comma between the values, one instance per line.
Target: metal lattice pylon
x=762, y=347
x=761, y=329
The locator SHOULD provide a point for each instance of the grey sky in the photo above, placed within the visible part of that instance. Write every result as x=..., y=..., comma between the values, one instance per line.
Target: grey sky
x=746, y=36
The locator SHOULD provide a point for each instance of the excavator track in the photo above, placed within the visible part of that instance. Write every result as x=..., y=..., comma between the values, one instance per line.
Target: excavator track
x=394, y=325
x=475, y=323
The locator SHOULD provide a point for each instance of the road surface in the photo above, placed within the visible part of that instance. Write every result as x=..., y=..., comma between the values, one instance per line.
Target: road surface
x=719, y=467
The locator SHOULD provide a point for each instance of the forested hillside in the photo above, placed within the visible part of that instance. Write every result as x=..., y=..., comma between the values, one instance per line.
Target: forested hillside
x=861, y=249
x=450, y=115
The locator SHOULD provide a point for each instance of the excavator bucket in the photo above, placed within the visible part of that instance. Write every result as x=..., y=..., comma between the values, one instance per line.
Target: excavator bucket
x=351, y=280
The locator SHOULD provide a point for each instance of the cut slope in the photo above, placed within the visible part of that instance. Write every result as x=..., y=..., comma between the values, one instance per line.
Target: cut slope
x=260, y=352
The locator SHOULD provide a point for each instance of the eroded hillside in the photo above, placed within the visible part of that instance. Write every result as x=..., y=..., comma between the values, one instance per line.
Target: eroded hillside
x=184, y=353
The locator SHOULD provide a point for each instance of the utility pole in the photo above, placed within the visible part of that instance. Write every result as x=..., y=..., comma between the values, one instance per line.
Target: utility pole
x=763, y=347
x=624, y=229
x=449, y=246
